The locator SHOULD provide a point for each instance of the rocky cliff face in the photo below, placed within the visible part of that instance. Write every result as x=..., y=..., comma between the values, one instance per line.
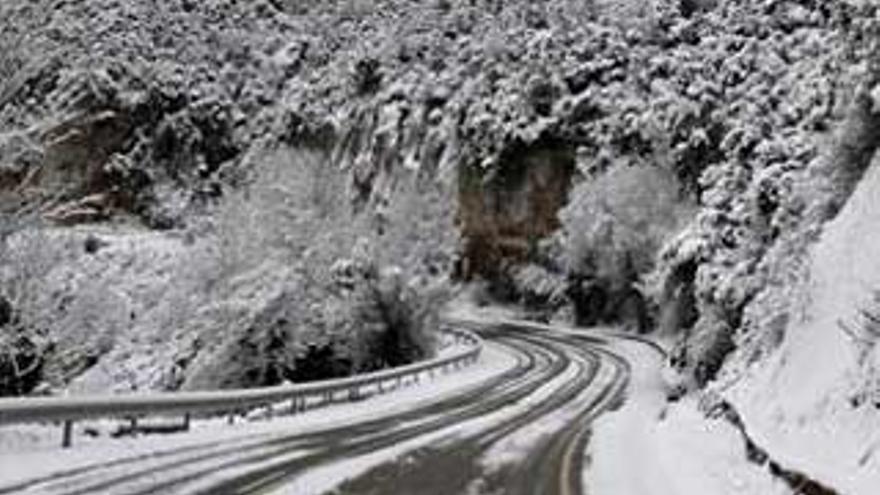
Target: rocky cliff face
x=503, y=215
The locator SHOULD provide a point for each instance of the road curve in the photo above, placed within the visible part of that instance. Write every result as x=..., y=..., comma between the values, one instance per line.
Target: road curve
x=520, y=432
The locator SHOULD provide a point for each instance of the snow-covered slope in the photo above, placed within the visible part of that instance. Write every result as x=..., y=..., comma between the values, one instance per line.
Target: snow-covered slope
x=676, y=450
x=813, y=403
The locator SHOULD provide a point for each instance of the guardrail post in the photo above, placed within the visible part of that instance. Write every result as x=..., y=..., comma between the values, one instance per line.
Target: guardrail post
x=186, y=420
x=134, y=425
x=67, y=434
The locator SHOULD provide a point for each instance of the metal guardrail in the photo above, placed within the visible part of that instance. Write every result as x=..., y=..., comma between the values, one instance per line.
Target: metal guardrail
x=68, y=410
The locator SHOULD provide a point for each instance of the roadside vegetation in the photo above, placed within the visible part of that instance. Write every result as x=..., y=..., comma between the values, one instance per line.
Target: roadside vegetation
x=310, y=175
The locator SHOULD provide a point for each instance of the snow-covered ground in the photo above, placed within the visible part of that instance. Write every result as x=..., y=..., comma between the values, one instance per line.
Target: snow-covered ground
x=27, y=452
x=813, y=403
x=651, y=447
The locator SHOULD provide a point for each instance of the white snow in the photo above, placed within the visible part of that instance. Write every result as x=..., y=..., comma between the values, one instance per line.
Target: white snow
x=797, y=404
x=649, y=448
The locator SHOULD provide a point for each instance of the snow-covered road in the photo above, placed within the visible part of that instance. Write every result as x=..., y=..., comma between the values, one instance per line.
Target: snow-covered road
x=516, y=423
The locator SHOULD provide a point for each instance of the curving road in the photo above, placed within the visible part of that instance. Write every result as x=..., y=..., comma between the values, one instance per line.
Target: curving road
x=521, y=431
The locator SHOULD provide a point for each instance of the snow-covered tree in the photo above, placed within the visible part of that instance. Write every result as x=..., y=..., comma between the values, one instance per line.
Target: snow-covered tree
x=614, y=227
x=27, y=309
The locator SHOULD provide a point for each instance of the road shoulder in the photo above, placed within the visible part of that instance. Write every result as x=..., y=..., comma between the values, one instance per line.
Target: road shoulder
x=649, y=446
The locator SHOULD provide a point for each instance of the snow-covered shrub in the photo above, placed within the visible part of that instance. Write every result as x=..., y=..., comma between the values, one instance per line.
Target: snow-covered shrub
x=407, y=263
x=63, y=312
x=351, y=291
x=415, y=229
x=264, y=268
x=613, y=229
x=540, y=288
x=389, y=321
x=27, y=257
x=284, y=212
x=53, y=326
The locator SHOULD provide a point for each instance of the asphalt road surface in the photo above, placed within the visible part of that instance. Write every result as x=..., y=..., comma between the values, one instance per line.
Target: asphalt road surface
x=522, y=432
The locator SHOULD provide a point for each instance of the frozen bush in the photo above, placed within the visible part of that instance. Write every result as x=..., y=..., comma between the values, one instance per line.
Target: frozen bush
x=342, y=305
x=26, y=260
x=613, y=229
x=540, y=288
x=389, y=319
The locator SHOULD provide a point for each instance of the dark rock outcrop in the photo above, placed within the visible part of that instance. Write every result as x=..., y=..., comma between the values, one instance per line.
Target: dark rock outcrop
x=504, y=213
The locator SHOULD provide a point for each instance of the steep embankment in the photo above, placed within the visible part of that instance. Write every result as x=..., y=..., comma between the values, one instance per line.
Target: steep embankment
x=814, y=402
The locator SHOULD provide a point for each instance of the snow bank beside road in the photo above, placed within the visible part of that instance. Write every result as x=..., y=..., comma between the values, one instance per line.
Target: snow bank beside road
x=648, y=447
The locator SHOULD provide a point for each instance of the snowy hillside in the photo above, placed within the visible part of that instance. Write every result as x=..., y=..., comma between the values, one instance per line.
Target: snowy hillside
x=814, y=401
